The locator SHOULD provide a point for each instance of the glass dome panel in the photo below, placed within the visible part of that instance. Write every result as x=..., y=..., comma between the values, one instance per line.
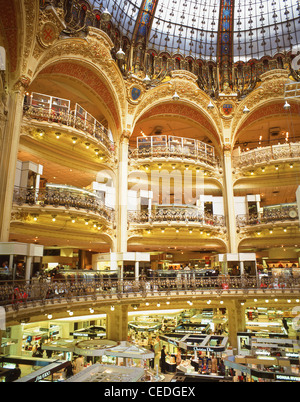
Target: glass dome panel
x=190, y=27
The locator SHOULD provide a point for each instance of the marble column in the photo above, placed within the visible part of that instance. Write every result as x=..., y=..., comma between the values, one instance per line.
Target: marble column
x=236, y=321
x=117, y=324
x=229, y=203
x=9, y=153
x=122, y=193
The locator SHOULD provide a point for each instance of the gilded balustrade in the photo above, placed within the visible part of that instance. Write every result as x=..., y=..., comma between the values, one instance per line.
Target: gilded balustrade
x=268, y=154
x=62, y=198
x=69, y=119
x=18, y=294
x=169, y=152
x=269, y=215
x=176, y=215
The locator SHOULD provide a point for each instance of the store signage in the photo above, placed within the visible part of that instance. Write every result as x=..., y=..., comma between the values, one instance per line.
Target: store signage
x=79, y=334
x=294, y=355
x=282, y=377
x=42, y=376
x=262, y=352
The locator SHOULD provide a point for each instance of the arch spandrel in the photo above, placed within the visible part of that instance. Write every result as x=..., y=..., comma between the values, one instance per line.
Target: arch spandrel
x=270, y=92
x=89, y=60
x=192, y=105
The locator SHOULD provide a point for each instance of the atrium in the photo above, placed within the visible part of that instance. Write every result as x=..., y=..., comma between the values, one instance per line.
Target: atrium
x=150, y=189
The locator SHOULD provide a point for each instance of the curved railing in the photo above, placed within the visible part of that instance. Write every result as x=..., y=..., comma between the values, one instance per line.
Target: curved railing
x=69, y=119
x=176, y=215
x=18, y=294
x=169, y=152
x=62, y=198
x=285, y=213
x=268, y=154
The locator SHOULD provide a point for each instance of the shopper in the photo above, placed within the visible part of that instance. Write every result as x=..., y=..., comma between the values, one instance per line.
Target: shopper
x=78, y=364
x=178, y=357
x=69, y=371
x=151, y=361
x=163, y=360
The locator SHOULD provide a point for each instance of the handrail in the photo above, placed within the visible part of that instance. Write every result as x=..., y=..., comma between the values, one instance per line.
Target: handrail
x=62, y=198
x=168, y=152
x=69, y=118
x=269, y=215
x=176, y=214
x=267, y=154
x=20, y=293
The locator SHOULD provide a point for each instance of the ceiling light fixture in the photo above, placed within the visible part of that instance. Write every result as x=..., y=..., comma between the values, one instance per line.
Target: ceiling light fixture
x=120, y=55
x=175, y=97
x=210, y=106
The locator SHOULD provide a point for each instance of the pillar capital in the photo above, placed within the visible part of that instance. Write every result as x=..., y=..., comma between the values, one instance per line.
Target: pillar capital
x=125, y=136
x=21, y=84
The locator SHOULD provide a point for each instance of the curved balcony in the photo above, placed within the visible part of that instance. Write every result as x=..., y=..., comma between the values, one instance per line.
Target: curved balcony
x=71, y=120
x=18, y=295
x=266, y=155
x=63, y=198
x=173, y=215
x=270, y=215
x=162, y=148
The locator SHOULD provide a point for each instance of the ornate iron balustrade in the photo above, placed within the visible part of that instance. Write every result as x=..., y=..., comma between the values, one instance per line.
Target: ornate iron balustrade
x=176, y=215
x=176, y=153
x=270, y=215
x=19, y=294
x=97, y=131
x=265, y=155
x=62, y=198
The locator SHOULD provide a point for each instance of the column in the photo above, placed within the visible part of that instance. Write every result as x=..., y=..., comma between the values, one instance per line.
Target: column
x=122, y=194
x=137, y=270
x=117, y=324
x=9, y=152
x=28, y=269
x=229, y=203
x=236, y=321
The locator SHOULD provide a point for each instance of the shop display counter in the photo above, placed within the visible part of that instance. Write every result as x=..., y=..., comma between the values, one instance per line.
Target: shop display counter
x=108, y=373
x=195, y=377
x=46, y=372
x=170, y=364
x=126, y=351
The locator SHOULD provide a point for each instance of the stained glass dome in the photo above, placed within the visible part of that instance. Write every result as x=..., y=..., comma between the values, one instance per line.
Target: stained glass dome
x=190, y=27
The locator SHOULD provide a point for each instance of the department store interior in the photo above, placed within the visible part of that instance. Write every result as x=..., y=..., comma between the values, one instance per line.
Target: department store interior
x=150, y=191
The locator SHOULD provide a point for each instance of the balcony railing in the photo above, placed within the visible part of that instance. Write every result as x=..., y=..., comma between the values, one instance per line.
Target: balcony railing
x=168, y=147
x=67, y=199
x=176, y=215
x=274, y=214
x=268, y=154
x=71, y=119
x=19, y=294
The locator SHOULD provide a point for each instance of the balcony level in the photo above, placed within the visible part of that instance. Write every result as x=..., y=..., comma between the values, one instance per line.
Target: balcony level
x=268, y=157
x=285, y=214
x=176, y=217
x=22, y=300
x=56, y=200
x=48, y=113
x=160, y=149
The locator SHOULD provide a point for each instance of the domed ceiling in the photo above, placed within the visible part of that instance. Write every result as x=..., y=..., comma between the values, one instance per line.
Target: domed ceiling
x=248, y=28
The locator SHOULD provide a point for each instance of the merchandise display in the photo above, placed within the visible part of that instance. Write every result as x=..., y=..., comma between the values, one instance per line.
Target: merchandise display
x=108, y=373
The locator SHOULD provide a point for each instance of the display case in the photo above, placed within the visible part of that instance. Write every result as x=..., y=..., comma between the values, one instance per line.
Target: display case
x=59, y=105
x=50, y=103
x=156, y=141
